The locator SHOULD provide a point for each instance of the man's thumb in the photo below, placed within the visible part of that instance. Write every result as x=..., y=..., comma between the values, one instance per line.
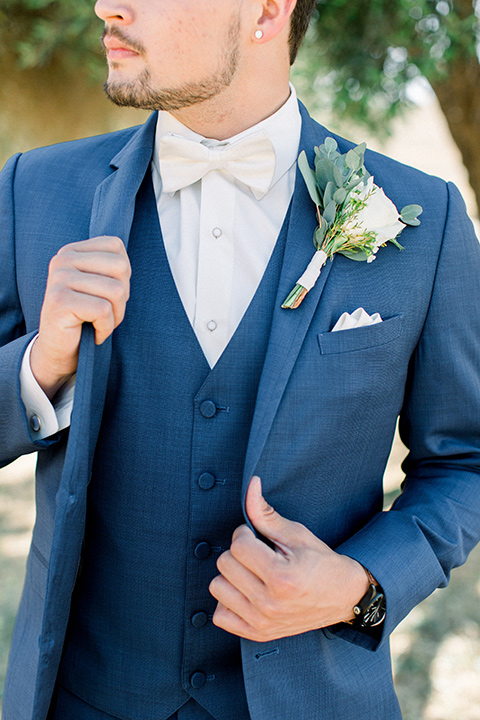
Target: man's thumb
x=267, y=521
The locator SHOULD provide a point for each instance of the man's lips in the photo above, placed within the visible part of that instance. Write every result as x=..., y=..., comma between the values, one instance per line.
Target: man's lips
x=116, y=49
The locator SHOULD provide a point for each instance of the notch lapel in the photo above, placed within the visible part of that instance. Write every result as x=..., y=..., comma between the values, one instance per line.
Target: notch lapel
x=289, y=327
x=112, y=214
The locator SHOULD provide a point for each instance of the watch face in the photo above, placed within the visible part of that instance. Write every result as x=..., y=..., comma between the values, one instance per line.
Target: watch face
x=375, y=612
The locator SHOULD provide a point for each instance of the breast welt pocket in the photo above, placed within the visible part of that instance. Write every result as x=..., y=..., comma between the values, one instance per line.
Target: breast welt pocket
x=362, y=338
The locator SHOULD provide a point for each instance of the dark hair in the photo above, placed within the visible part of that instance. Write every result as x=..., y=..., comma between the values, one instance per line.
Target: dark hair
x=298, y=25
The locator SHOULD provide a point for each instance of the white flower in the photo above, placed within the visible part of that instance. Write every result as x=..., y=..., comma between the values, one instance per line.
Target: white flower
x=379, y=215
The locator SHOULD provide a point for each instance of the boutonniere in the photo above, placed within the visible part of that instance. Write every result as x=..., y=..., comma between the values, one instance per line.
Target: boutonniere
x=355, y=217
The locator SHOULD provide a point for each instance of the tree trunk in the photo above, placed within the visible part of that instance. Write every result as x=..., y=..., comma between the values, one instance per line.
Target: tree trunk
x=459, y=98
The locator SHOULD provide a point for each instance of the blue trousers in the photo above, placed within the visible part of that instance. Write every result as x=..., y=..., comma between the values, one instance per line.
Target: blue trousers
x=67, y=706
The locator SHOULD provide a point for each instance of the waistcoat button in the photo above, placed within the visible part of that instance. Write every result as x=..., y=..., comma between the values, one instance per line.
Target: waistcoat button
x=197, y=680
x=202, y=550
x=199, y=619
x=206, y=481
x=208, y=409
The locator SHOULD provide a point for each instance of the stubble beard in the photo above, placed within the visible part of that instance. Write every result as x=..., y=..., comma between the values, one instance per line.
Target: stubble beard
x=140, y=93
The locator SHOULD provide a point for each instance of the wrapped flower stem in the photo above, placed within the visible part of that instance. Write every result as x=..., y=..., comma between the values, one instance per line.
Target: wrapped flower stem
x=306, y=282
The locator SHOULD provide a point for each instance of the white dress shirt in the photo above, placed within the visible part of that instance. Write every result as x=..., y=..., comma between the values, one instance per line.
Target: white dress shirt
x=218, y=239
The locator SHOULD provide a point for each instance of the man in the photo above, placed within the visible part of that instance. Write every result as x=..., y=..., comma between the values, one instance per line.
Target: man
x=208, y=384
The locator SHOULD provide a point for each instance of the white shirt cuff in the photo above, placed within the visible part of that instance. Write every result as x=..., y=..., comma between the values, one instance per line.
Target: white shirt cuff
x=44, y=419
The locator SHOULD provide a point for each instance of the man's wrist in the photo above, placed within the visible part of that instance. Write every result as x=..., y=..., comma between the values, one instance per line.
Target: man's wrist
x=370, y=610
x=358, y=585
x=48, y=380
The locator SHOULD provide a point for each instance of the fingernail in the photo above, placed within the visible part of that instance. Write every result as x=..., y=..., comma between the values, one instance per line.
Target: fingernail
x=256, y=481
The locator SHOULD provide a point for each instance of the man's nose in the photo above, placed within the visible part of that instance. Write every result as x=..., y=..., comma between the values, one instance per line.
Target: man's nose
x=109, y=10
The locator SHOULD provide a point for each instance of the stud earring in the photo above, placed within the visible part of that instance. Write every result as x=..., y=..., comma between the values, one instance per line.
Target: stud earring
x=259, y=34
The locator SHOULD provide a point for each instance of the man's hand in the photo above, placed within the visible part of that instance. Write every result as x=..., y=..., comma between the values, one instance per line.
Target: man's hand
x=301, y=585
x=88, y=281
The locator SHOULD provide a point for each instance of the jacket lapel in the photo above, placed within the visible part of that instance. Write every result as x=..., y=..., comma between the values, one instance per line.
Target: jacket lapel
x=112, y=214
x=289, y=327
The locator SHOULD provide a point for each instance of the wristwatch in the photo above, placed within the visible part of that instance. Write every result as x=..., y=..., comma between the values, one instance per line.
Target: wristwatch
x=371, y=609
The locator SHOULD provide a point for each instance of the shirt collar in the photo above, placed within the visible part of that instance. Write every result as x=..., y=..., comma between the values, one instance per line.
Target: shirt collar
x=283, y=128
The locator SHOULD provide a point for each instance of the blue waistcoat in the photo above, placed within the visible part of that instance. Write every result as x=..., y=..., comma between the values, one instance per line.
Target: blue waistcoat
x=164, y=500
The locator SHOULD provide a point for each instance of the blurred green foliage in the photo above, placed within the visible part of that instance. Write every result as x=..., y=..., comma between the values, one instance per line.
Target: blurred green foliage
x=358, y=59
x=363, y=55
x=58, y=32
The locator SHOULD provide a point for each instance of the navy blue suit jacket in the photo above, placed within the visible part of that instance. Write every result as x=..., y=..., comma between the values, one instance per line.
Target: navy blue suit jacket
x=325, y=415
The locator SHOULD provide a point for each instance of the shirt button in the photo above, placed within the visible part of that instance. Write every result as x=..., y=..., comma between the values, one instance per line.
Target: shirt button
x=206, y=481
x=202, y=550
x=35, y=423
x=212, y=325
x=197, y=680
x=199, y=619
x=208, y=409
x=216, y=232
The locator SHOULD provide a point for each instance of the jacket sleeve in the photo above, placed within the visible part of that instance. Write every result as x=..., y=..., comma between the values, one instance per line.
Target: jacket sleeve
x=435, y=522
x=15, y=438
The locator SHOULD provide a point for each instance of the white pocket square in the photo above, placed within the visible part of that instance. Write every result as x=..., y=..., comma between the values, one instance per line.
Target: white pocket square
x=359, y=318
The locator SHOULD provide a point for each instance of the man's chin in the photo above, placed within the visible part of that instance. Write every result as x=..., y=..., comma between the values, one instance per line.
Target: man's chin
x=124, y=93
x=140, y=93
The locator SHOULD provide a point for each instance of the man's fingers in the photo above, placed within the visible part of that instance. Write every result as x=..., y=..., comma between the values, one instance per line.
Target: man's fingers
x=253, y=553
x=70, y=287
x=97, y=260
x=284, y=533
x=88, y=308
x=241, y=577
x=231, y=622
x=88, y=281
x=100, y=263
x=102, y=243
x=234, y=612
x=97, y=268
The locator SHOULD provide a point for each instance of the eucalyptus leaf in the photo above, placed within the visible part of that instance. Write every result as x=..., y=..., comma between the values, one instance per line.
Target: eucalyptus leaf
x=360, y=150
x=324, y=172
x=329, y=212
x=309, y=177
x=337, y=176
x=361, y=255
x=353, y=183
x=330, y=144
x=352, y=160
x=340, y=195
x=319, y=235
x=329, y=193
x=409, y=214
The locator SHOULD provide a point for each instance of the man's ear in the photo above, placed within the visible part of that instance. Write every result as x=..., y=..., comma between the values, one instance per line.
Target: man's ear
x=272, y=18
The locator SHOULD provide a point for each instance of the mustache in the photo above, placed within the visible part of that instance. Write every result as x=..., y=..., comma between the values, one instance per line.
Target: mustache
x=129, y=44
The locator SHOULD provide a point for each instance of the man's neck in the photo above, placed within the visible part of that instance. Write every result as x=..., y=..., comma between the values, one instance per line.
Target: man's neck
x=225, y=116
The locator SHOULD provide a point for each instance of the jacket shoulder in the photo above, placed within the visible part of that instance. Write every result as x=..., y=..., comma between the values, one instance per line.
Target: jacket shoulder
x=382, y=167
x=96, y=151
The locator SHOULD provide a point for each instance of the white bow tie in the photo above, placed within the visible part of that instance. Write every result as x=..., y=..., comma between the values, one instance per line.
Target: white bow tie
x=183, y=162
